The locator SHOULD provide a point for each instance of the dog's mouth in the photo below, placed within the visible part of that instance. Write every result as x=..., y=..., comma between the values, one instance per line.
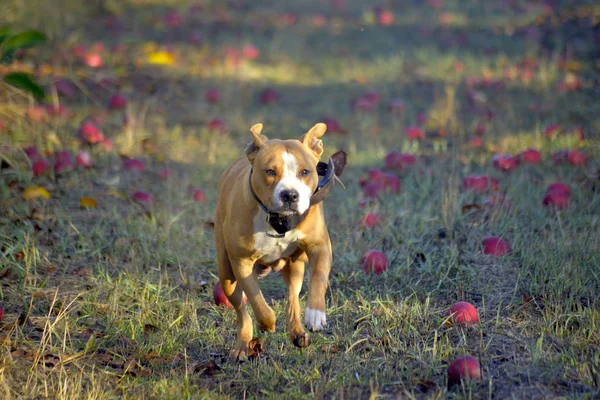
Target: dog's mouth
x=285, y=220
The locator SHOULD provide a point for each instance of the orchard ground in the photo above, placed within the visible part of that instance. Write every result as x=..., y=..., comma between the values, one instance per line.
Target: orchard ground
x=107, y=283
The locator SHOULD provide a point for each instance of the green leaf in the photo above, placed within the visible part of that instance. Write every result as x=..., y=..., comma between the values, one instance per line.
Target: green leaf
x=24, y=82
x=23, y=40
x=5, y=32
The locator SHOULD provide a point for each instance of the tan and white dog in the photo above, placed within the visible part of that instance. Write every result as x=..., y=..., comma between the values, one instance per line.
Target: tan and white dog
x=269, y=217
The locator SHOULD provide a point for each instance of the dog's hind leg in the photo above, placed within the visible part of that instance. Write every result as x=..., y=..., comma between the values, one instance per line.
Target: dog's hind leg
x=293, y=275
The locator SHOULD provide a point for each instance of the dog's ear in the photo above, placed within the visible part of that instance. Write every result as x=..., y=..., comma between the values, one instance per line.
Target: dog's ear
x=311, y=139
x=258, y=141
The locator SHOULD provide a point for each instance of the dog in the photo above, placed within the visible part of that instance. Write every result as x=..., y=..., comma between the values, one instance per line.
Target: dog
x=269, y=217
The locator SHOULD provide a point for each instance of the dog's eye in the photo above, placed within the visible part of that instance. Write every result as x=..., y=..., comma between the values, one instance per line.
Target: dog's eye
x=270, y=172
x=304, y=172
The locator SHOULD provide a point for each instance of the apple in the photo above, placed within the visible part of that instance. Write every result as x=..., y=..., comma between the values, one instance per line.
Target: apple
x=560, y=156
x=143, y=197
x=463, y=313
x=559, y=188
x=391, y=183
x=90, y=133
x=199, y=196
x=477, y=142
x=213, y=96
x=133, y=164
x=84, y=159
x=93, y=60
x=32, y=152
x=366, y=102
x=576, y=157
x=117, y=102
x=62, y=161
x=173, y=19
x=496, y=246
x=269, y=96
x=373, y=262
x=56, y=110
x=552, y=130
x=464, y=368
x=39, y=166
x=165, y=173
x=530, y=156
x=415, y=133
x=373, y=189
x=218, y=126
x=1, y=312
x=64, y=88
x=479, y=129
x=385, y=17
x=557, y=200
x=250, y=52
x=220, y=298
x=504, y=162
x=333, y=125
x=371, y=220
x=480, y=183
x=397, y=160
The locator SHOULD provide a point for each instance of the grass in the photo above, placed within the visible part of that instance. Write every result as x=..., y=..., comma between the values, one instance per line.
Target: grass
x=116, y=301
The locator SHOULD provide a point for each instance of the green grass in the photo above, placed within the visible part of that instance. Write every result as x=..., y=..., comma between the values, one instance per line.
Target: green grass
x=116, y=301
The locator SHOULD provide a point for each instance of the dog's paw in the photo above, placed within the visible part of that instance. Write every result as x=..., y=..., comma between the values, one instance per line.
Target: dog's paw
x=315, y=320
x=239, y=353
x=301, y=340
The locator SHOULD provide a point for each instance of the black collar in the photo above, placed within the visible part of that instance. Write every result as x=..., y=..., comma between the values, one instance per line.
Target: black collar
x=284, y=221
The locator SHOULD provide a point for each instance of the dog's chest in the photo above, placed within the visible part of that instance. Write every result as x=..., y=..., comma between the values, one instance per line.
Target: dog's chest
x=271, y=249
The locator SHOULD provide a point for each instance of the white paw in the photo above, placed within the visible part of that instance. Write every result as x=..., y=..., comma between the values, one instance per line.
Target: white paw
x=315, y=320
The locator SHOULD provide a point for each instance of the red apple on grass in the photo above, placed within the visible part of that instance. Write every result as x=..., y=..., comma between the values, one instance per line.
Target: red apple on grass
x=84, y=159
x=415, y=133
x=62, y=161
x=199, y=196
x=371, y=220
x=374, y=262
x=530, y=156
x=1, y=312
x=213, y=96
x=39, y=166
x=576, y=157
x=559, y=188
x=133, y=164
x=397, y=160
x=32, y=152
x=90, y=133
x=496, y=246
x=269, y=96
x=117, y=102
x=465, y=368
x=220, y=298
x=480, y=183
x=463, y=313
x=142, y=197
x=504, y=162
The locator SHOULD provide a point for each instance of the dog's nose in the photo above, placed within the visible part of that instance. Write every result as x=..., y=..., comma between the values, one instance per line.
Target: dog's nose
x=290, y=196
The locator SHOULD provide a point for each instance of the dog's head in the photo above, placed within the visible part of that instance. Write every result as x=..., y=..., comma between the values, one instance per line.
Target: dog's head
x=284, y=173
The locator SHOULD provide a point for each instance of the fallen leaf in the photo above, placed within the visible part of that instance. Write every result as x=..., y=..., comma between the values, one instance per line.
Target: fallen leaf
x=35, y=192
x=470, y=207
x=87, y=202
x=50, y=360
x=209, y=367
x=255, y=348
x=148, y=328
x=161, y=58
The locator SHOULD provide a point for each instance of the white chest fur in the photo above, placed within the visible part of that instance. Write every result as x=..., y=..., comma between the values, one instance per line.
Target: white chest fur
x=271, y=249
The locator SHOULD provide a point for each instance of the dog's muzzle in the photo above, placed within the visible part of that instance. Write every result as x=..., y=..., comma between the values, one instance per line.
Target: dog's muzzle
x=284, y=221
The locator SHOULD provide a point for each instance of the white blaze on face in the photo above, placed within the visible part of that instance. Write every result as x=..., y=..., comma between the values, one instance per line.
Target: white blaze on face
x=290, y=181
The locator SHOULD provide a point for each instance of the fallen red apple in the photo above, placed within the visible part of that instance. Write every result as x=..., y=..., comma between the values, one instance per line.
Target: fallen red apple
x=415, y=133
x=90, y=133
x=1, y=312
x=93, y=60
x=373, y=262
x=552, y=130
x=477, y=142
x=530, y=156
x=199, y=196
x=504, y=162
x=397, y=160
x=117, y=102
x=385, y=17
x=165, y=173
x=218, y=126
x=173, y=19
x=559, y=188
x=465, y=368
x=480, y=183
x=32, y=152
x=250, y=51
x=143, y=197
x=84, y=159
x=463, y=313
x=213, y=96
x=370, y=220
x=391, y=183
x=560, y=156
x=64, y=88
x=269, y=96
x=479, y=129
x=557, y=200
x=56, y=110
x=496, y=246
x=133, y=164
x=373, y=189
x=39, y=166
x=220, y=298
x=62, y=161
x=333, y=125
x=576, y=157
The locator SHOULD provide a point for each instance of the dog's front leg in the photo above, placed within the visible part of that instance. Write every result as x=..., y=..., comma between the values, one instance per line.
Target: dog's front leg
x=293, y=275
x=319, y=258
x=247, y=279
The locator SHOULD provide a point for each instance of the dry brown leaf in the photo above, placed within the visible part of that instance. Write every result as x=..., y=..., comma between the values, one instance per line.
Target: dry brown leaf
x=207, y=368
x=87, y=202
